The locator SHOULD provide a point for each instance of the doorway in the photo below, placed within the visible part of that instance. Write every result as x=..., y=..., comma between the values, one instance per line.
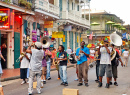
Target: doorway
x=4, y=50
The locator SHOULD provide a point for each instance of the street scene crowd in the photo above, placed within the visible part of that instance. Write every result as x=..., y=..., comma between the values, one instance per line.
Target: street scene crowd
x=36, y=60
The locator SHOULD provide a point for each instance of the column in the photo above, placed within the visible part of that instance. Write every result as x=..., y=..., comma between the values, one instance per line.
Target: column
x=74, y=49
x=68, y=39
x=56, y=3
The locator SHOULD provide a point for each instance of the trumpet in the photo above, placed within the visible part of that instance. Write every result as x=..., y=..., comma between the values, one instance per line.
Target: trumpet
x=22, y=55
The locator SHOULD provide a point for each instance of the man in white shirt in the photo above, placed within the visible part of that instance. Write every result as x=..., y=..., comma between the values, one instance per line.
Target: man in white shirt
x=105, y=63
x=69, y=51
x=35, y=67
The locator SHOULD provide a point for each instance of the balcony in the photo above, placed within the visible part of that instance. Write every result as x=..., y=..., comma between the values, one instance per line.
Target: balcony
x=72, y=16
x=16, y=5
x=47, y=7
x=100, y=32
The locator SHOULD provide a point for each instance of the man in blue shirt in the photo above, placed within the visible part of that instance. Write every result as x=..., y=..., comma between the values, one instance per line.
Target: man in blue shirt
x=82, y=53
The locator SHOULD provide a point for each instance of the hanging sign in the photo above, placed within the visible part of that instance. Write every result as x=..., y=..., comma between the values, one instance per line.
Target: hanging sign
x=48, y=24
x=81, y=40
x=63, y=38
x=60, y=34
x=4, y=18
x=68, y=28
x=34, y=35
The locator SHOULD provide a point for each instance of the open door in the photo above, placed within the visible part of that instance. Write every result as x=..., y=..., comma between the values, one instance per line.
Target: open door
x=16, y=49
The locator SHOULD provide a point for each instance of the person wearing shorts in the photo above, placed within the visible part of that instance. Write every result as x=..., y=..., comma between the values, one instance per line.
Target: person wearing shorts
x=105, y=63
x=115, y=65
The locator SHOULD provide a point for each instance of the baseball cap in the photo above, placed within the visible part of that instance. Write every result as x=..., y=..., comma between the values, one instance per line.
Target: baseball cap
x=38, y=44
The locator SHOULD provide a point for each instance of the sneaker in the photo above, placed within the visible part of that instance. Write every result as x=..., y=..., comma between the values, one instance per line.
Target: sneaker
x=27, y=82
x=80, y=84
x=107, y=85
x=29, y=94
x=23, y=82
x=100, y=84
x=115, y=83
x=49, y=78
x=41, y=84
x=76, y=80
x=110, y=83
x=44, y=82
x=62, y=83
x=65, y=84
x=86, y=84
x=97, y=81
x=39, y=92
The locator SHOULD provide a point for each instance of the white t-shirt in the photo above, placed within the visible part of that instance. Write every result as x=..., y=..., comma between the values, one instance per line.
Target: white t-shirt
x=69, y=51
x=126, y=53
x=25, y=61
x=105, y=57
x=92, y=52
x=36, y=60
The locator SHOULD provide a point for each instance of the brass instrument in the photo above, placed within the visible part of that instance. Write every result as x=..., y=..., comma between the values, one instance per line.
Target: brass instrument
x=46, y=41
x=22, y=55
x=117, y=41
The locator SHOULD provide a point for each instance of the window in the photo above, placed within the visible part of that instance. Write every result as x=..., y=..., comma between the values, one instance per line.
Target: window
x=41, y=3
x=72, y=5
x=77, y=7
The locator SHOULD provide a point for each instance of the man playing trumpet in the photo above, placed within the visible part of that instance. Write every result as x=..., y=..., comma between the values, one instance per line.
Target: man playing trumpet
x=105, y=63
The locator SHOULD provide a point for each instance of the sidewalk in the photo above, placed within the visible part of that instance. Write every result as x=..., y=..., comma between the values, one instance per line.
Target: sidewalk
x=10, y=74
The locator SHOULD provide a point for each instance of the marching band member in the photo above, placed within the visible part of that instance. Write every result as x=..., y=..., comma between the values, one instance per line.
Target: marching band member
x=44, y=68
x=24, y=65
x=62, y=58
x=115, y=65
x=35, y=66
x=105, y=63
x=82, y=53
x=97, y=65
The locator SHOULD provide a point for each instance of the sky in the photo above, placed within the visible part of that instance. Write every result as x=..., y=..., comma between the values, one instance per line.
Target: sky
x=119, y=7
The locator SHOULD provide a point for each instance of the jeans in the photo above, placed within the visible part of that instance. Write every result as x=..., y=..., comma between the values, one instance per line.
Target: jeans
x=97, y=71
x=48, y=69
x=63, y=73
x=31, y=78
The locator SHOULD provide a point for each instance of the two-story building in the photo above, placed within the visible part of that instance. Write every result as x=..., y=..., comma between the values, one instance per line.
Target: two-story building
x=102, y=29
x=23, y=19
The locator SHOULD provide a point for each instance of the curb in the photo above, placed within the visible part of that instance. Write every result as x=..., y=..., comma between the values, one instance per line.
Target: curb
x=17, y=77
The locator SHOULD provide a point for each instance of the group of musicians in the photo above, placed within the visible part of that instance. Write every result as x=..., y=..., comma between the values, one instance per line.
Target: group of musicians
x=107, y=62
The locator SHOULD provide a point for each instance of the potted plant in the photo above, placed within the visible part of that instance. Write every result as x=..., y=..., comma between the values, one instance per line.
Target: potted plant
x=29, y=5
x=22, y=2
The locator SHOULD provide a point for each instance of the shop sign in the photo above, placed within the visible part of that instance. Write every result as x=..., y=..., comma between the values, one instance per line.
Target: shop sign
x=68, y=28
x=48, y=24
x=6, y=18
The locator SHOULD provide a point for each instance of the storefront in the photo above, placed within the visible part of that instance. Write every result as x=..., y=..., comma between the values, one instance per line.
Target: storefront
x=6, y=37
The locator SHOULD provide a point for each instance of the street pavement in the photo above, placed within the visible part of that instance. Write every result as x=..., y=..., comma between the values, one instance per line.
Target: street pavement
x=53, y=86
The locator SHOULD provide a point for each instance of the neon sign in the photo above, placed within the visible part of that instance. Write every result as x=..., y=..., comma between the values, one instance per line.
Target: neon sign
x=4, y=18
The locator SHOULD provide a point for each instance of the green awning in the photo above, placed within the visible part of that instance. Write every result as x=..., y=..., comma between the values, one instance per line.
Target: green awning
x=94, y=24
x=110, y=22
